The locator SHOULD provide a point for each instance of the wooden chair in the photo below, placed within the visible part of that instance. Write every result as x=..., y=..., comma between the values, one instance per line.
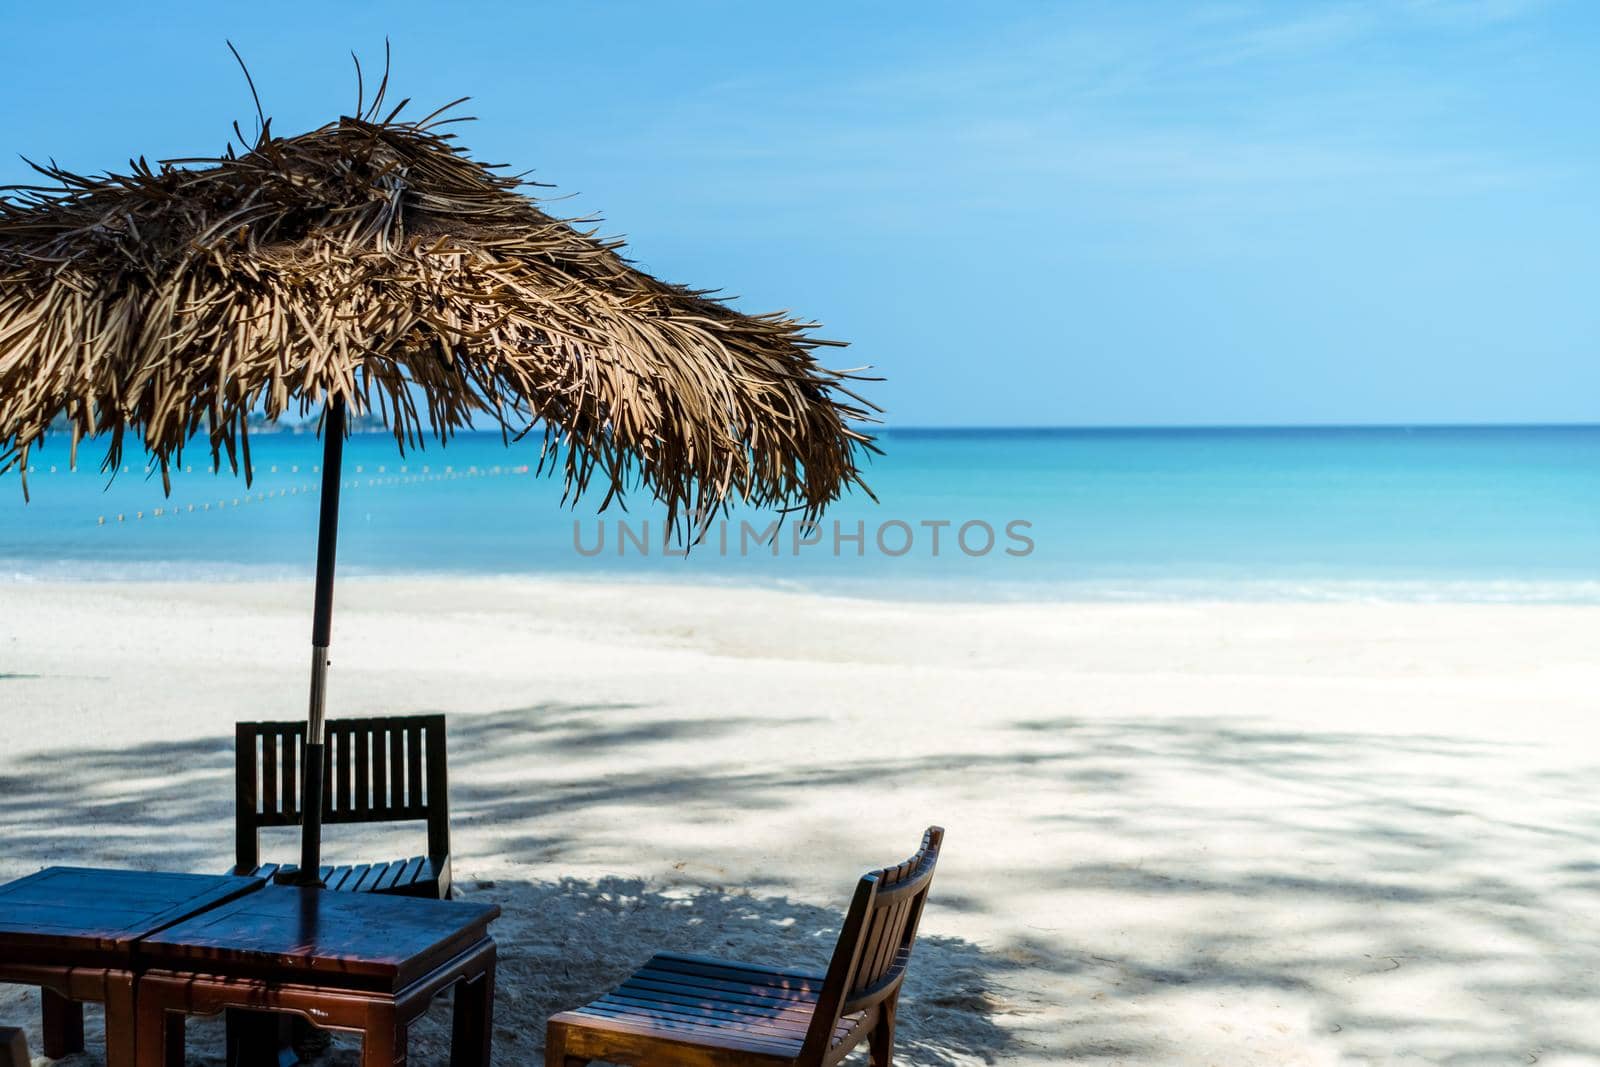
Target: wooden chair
x=377, y=770
x=693, y=1012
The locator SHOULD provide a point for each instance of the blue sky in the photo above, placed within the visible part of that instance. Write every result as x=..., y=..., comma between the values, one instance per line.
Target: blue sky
x=1024, y=214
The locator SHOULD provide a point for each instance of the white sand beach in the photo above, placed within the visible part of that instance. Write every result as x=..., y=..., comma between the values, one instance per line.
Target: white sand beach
x=1185, y=834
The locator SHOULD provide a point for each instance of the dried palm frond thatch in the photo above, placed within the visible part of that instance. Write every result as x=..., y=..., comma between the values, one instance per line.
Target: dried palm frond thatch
x=372, y=260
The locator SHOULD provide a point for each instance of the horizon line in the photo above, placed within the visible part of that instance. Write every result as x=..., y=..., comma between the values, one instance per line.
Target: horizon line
x=1201, y=426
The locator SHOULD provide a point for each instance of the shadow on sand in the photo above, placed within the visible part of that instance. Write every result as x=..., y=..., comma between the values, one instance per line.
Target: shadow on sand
x=166, y=805
x=1382, y=881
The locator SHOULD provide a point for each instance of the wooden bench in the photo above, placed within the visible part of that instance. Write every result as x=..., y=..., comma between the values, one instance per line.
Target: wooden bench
x=694, y=1012
x=377, y=770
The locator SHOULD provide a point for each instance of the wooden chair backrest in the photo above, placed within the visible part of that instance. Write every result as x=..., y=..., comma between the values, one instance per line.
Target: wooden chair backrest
x=869, y=961
x=374, y=770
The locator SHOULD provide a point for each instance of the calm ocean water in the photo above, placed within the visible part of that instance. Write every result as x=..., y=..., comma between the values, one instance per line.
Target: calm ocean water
x=1502, y=514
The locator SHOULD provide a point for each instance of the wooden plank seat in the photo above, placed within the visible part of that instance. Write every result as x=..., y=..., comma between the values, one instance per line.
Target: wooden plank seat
x=698, y=1012
x=390, y=769
x=413, y=877
x=753, y=1009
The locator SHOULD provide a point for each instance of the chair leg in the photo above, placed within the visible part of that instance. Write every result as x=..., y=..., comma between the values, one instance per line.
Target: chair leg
x=880, y=1042
x=555, y=1049
x=62, y=1021
x=472, y=1021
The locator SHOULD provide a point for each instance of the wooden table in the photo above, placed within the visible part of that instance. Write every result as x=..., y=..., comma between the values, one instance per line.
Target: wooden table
x=344, y=961
x=74, y=931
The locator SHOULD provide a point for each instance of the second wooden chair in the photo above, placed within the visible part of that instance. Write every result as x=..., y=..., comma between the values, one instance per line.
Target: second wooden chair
x=378, y=770
x=686, y=1011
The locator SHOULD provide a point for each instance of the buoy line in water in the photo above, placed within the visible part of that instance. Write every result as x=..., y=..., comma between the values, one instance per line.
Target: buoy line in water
x=427, y=474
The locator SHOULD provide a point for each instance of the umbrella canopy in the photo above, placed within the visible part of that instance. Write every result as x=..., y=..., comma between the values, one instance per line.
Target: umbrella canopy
x=371, y=260
x=371, y=264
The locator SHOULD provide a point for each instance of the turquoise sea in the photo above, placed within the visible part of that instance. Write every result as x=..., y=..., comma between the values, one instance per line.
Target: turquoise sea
x=1497, y=514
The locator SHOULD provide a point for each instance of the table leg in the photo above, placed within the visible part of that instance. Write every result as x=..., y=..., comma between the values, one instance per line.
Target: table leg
x=62, y=1022
x=383, y=1043
x=120, y=1030
x=151, y=1032
x=473, y=1020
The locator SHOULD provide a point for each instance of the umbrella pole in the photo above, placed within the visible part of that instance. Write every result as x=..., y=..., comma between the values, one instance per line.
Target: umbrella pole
x=333, y=426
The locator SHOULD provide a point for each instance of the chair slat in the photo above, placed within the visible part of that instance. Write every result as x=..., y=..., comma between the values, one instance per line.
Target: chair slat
x=397, y=769
x=414, y=793
x=362, y=740
x=389, y=877
x=371, y=879
x=269, y=774
x=797, y=1015
x=292, y=742
x=381, y=803
x=340, y=755
x=725, y=1036
x=702, y=1016
x=413, y=867
x=704, y=965
x=749, y=996
x=329, y=814
x=247, y=822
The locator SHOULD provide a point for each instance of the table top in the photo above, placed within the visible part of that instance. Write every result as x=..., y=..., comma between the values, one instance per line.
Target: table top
x=359, y=940
x=83, y=916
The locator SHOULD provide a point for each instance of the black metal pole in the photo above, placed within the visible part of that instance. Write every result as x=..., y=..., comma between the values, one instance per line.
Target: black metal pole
x=321, y=635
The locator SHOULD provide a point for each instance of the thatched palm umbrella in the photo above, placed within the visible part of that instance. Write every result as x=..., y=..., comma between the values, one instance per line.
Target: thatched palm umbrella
x=372, y=264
